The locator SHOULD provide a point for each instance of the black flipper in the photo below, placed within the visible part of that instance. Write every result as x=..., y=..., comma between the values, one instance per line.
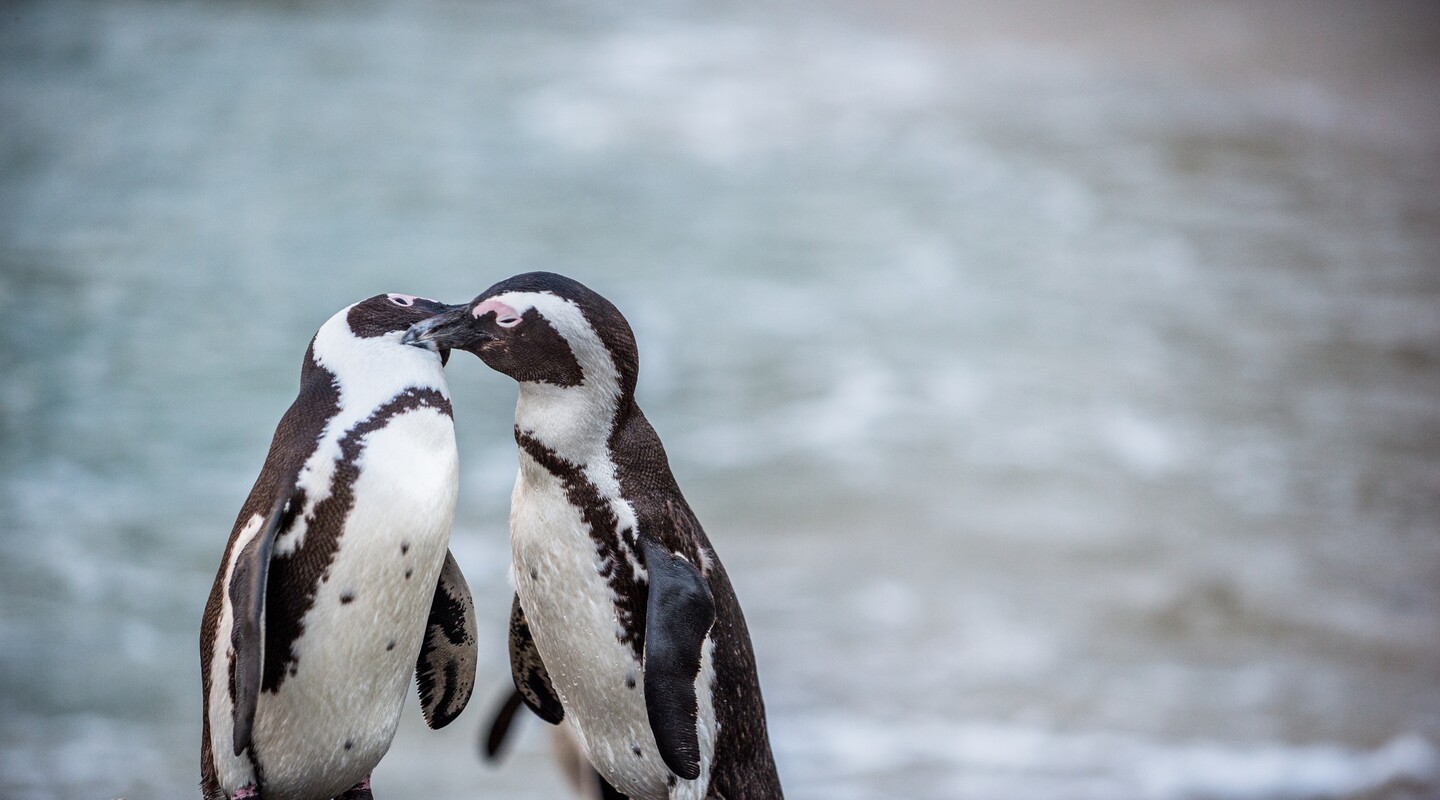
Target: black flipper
x=500, y=725
x=445, y=670
x=678, y=616
x=528, y=670
x=247, y=629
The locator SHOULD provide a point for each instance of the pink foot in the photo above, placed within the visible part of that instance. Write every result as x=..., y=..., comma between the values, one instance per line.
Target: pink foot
x=360, y=791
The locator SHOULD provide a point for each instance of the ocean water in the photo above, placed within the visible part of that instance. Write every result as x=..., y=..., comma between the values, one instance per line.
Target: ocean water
x=1064, y=411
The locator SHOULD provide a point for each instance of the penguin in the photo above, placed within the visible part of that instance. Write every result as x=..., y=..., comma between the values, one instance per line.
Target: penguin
x=337, y=582
x=624, y=622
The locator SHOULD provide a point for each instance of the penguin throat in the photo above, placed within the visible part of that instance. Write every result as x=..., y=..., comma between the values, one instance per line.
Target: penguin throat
x=574, y=422
x=370, y=371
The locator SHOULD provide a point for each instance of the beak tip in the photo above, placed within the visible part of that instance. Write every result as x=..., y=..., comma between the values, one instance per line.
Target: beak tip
x=441, y=331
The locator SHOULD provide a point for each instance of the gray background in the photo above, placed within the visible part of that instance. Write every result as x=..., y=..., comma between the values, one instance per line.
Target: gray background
x=1059, y=386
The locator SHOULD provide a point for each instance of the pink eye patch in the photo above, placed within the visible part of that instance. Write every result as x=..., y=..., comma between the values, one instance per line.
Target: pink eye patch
x=505, y=316
x=403, y=299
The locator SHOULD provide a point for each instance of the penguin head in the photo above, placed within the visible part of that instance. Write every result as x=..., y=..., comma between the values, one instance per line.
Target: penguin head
x=390, y=315
x=540, y=327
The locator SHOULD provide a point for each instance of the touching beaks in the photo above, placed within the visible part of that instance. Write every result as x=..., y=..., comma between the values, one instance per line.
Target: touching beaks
x=451, y=329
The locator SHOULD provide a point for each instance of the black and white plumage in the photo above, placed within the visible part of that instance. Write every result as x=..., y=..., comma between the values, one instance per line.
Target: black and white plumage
x=337, y=583
x=625, y=623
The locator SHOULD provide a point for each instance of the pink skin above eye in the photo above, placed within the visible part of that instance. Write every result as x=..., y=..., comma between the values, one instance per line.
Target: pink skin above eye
x=505, y=316
x=403, y=299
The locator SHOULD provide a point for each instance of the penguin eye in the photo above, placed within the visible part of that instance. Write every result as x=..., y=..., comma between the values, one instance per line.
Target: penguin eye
x=402, y=300
x=508, y=321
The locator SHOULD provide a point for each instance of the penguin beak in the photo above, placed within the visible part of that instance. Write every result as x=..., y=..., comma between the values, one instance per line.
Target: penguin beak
x=452, y=329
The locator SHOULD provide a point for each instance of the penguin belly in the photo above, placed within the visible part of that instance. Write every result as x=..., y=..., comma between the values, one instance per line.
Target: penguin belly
x=335, y=714
x=571, y=610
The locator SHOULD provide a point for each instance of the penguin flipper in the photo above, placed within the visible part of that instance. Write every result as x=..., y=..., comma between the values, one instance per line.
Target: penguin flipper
x=445, y=670
x=247, y=633
x=528, y=670
x=678, y=616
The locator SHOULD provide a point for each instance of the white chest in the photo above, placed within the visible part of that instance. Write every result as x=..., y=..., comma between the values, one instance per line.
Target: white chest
x=571, y=610
x=335, y=715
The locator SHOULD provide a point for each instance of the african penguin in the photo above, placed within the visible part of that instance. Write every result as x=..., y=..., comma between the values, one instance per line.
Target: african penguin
x=337, y=583
x=624, y=622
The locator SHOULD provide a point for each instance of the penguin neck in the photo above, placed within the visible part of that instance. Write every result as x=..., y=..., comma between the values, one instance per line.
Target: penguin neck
x=369, y=371
x=574, y=422
x=573, y=425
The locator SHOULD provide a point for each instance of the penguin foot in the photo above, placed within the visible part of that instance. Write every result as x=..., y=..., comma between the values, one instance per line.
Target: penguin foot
x=360, y=791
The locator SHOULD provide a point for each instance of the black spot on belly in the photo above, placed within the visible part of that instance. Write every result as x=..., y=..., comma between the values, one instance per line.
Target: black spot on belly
x=534, y=574
x=390, y=646
x=347, y=598
x=635, y=748
x=671, y=782
x=630, y=681
x=349, y=743
x=404, y=548
x=408, y=573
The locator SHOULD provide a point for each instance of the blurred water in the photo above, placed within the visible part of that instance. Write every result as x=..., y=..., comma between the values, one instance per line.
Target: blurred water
x=1069, y=429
